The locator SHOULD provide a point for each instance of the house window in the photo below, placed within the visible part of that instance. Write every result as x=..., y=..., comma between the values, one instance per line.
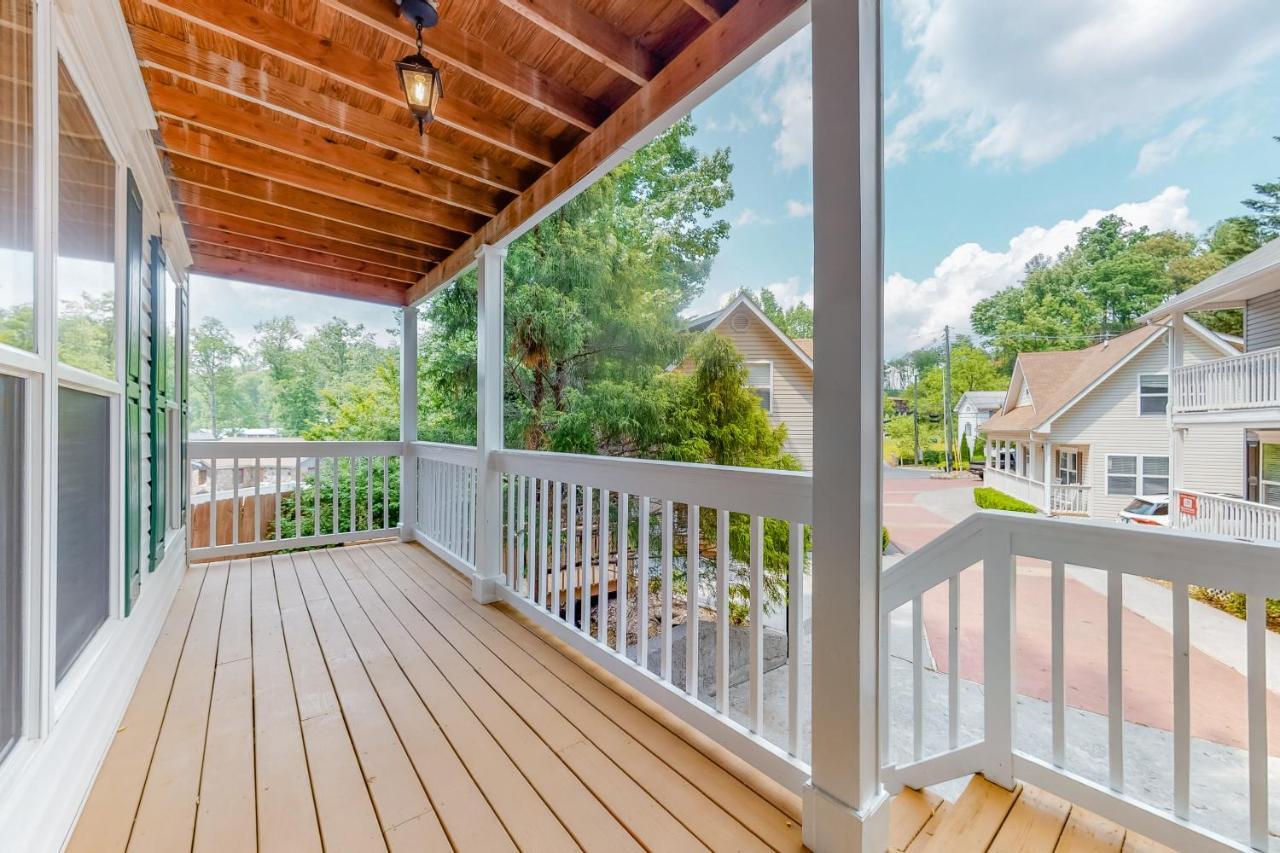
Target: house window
x=1069, y=467
x=1153, y=394
x=760, y=381
x=1269, y=482
x=1137, y=475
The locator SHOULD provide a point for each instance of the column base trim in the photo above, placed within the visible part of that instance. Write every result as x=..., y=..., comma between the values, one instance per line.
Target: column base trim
x=830, y=825
x=486, y=590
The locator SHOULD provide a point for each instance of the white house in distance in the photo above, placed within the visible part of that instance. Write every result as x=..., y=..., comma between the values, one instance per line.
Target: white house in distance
x=1234, y=398
x=1083, y=432
x=973, y=410
x=780, y=369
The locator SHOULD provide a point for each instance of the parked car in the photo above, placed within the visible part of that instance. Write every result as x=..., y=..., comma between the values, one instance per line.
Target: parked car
x=1152, y=510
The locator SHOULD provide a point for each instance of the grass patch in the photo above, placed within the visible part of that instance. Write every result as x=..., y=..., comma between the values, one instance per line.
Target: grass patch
x=989, y=498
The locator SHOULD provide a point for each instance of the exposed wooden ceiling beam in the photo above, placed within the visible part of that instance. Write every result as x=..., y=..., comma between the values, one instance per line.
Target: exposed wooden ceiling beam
x=198, y=235
x=444, y=226
x=745, y=24
x=598, y=39
x=223, y=73
x=261, y=189
x=705, y=9
x=203, y=197
x=252, y=268
x=249, y=25
x=199, y=109
x=481, y=60
x=199, y=217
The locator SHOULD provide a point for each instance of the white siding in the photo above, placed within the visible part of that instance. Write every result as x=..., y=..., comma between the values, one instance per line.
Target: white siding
x=1262, y=322
x=1107, y=421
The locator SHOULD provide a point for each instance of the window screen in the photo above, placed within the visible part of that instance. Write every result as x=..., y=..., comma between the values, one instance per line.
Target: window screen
x=1153, y=394
x=12, y=446
x=760, y=380
x=84, y=538
x=1155, y=475
x=1138, y=475
x=17, y=164
x=1122, y=475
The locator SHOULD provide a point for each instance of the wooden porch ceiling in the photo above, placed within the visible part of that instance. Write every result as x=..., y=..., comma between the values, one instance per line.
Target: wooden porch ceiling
x=295, y=162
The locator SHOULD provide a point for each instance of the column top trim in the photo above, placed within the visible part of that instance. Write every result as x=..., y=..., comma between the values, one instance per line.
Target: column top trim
x=492, y=250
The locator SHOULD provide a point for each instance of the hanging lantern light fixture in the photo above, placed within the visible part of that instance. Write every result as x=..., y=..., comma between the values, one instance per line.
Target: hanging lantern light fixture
x=419, y=79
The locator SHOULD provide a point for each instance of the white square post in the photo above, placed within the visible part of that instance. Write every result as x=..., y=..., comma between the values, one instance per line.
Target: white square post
x=408, y=422
x=845, y=806
x=1177, y=326
x=489, y=433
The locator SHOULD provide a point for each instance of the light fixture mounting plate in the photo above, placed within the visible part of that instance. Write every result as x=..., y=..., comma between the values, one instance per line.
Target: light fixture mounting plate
x=424, y=11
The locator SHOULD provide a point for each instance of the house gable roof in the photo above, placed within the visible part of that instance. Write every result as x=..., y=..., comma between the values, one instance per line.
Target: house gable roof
x=982, y=399
x=802, y=349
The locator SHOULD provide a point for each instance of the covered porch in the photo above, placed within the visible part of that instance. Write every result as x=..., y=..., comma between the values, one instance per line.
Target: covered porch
x=1054, y=478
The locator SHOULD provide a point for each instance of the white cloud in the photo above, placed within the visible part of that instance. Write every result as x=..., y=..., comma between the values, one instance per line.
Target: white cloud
x=748, y=216
x=797, y=209
x=787, y=92
x=1018, y=82
x=790, y=292
x=916, y=311
x=1162, y=151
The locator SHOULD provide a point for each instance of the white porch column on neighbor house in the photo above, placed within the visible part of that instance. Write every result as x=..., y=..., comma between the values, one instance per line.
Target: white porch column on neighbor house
x=1176, y=436
x=845, y=805
x=489, y=382
x=408, y=421
x=1048, y=475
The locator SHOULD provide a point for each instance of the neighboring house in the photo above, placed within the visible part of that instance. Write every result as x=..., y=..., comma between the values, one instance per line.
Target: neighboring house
x=1235, y=399
x=1083, y=432
x=974, y=409
x=780, y=370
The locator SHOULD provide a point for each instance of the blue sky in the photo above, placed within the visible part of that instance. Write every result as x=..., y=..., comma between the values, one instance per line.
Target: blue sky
x=1009, y=126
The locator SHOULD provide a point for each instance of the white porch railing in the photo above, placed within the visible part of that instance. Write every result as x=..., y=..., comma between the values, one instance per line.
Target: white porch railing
x=1069, y=499
x=990, y=544
x=1239, y=519
x=1015, y=485
x=345, y=495
x=446, y=504
x=1247, y=381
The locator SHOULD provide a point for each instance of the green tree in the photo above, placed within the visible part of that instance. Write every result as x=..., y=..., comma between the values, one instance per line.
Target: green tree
x=1266, y=207
x=276, y=344
x=214, y=355
x=86, y=333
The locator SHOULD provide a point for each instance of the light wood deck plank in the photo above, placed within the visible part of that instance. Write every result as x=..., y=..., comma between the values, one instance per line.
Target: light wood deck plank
x=468, y=819
x=107, y=817
x=1087, y=832
x=632, y=805
x=975, y=819
x=1033, y=825
x=347, y=817
x=924, y=839
x=591, y=824
x=226, y=818
x=167, y=814
x=286, y=809
x=908, y=814
x=629, y=710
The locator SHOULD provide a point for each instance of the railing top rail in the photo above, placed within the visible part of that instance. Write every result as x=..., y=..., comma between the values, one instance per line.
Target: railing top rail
x=223, y=449
x=1251, y=355
x=1227, y=499
x=457, y=454
x=786, y=495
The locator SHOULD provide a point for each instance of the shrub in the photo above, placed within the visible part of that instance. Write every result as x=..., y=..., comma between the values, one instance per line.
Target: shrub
x=964, y=450
x=989, y=498
x=979, y=448
x=884, y=539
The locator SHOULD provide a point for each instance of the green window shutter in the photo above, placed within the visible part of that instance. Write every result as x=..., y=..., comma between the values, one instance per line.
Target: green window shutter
x=159, y=404
x=133, y=396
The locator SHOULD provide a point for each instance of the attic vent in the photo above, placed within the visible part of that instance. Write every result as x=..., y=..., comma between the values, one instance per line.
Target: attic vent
x=739, y=322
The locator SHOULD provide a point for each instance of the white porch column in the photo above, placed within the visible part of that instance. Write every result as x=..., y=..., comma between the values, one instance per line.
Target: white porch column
x=845, y=806
x=489, y=381
x=1176, y=436
x=1048, y=476
x=408, y=421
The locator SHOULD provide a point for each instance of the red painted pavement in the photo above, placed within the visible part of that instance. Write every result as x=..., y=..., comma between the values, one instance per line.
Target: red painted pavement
x=1218, y=700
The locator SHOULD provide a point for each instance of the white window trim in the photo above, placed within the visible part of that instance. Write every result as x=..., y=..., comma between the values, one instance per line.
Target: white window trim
x=1138, y=475
x=1142, y=396
x=757, y=363
x=1059, y=469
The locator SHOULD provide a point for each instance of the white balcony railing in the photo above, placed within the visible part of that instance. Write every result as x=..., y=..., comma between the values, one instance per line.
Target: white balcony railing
x=249, y=497
x=1069, y=499
x=1247, y=381
x=947, y=738
x=1015, y=485
x=446, y=501
x=1239, y=519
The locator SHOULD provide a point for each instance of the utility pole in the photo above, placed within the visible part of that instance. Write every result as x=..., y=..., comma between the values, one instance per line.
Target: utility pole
x=946, y=395
x=915, y=410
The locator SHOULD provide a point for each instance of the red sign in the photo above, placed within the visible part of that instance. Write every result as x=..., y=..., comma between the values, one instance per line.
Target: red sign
x=1188, y=504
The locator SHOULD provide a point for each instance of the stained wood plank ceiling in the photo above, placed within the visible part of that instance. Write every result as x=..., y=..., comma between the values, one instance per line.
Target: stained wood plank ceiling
x=295, y=162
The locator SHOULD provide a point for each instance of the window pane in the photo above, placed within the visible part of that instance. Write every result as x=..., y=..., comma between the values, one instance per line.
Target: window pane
x=1153, y=405
x=1154, y=383
x=1271, y=462
x=171, y=332
x=759, y=375
x=17, y=212
x=763, y=394
x=1122, y=485
x=86, y=236
x=11, y=563
x=1155, y=465
x=1155, y=485
x=1122, y=465
x=84, y=539
x=1271, y=494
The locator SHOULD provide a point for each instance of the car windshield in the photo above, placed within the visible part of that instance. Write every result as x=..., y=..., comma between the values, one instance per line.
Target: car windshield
x=1140, y=507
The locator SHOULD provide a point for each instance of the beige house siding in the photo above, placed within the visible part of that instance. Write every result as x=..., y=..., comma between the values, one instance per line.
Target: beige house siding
x=792, y=380
x=1107, y=421
x=1262, y=322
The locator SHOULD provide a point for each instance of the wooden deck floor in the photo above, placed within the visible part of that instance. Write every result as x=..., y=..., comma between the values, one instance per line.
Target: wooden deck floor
x=356, y=699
